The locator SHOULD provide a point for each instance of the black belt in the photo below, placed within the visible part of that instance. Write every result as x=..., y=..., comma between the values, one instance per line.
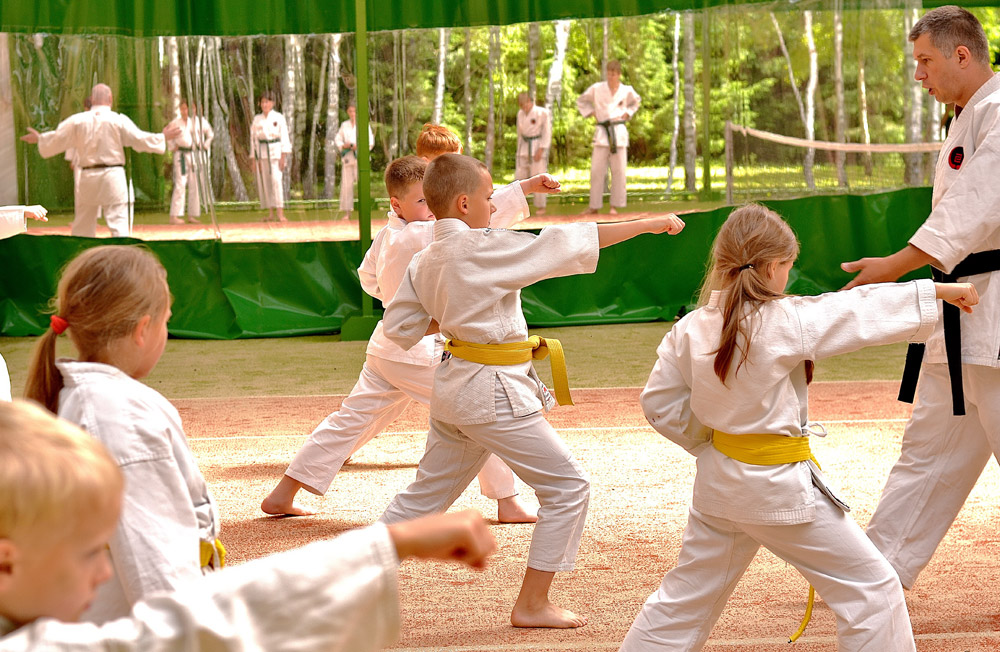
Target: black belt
x=609, y=126
x=101, y=166
x=531, y=144
x=977, y=263
x=184, y=151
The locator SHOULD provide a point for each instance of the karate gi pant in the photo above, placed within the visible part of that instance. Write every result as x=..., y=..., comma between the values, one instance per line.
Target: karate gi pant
x=383, y=391
x=530, y=446
x=185, y=185
x=527, y=167
x=941, y=459
x=102, y=191
x=600, y=161
x=832, y=553
x=269, y=183
x=348, y=177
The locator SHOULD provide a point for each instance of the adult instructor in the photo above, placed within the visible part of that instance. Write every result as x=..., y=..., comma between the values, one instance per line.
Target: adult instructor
x=100, y=137
x=955, y=425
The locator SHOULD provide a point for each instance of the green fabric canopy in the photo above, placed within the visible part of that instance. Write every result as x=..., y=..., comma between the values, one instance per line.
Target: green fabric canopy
x=238, y=17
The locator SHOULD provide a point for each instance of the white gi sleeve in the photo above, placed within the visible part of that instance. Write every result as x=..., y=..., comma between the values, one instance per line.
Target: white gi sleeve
x=632, y=102
x=522, y=258
x=666, y=402
x=585, y=103
x=139, y=140
x=512, y=207
x=368, y=272
x=286, y=141
x=336, y=596
x=58, y=140
x=405, y=321
x=545, y=142
x=12, y=221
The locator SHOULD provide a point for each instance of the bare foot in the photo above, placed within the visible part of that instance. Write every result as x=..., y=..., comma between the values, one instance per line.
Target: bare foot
x=589, y=211
x=539, y=211
x=281, y=218
x=194, y=220
x=513, y=510
x=281, y=500
x=548, y=615
x=613, y=211
x=176, y=220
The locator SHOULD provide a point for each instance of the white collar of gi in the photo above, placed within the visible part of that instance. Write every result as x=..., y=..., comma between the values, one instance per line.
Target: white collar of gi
x=714, y=299
x=985, y=90
x=447, y=226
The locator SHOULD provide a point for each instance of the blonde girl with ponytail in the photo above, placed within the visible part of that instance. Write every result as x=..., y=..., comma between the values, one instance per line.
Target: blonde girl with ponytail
x=730, y=386
x=113, y=303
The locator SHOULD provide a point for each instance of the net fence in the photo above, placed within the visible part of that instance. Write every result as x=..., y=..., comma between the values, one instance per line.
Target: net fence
x=762, y=164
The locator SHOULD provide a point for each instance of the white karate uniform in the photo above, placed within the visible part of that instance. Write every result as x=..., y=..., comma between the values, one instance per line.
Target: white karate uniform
x=167, y=508
x=185, y=174
x=534, y=133
x=268, y=141
x=12, y=221
x=336, y=596
x=470, y=281
x=99, y=137
x=347, y=136
x=788, y=508
x=392, y=376
x=942, y=454
x=600, y=102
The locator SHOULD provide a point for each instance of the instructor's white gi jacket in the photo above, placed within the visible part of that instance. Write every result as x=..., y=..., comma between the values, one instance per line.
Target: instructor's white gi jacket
x=965, y=219
x=385, y=264
x=685, y=401
x=600, y=102
x=167, y=508
x=330, y=596
x=470, y=281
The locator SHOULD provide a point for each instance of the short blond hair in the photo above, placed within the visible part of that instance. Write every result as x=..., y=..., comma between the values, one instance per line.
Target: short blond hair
x=949, y=27
x=449, y=176
x=436, y=140
x=402, y=173
x=53, y=475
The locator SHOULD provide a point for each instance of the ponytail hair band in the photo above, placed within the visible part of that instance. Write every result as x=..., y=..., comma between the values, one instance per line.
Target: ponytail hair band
x=59, y=325
x=747, y=266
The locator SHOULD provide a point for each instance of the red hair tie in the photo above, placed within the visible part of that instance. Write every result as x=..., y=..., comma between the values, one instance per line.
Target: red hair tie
x=58, y=324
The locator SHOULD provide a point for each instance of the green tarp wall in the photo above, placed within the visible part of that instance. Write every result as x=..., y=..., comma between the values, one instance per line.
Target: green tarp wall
x=234, y=290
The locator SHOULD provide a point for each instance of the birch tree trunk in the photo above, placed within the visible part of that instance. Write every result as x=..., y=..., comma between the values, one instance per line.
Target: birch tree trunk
x=791, y=72
x=675, y=68
x=439, y=87
x=222, y=123
x=297, y=126
x=866, y=134
x=397, y=141
x=690, y=137
x=810, y=99
x=553, y=92
x=174, y=78
x=534, y=36
x=332, y=119
x=491, y=111
x=840, y=120
x=604, y=48
x=913, y=174
x=467, y=97
x=309, y=178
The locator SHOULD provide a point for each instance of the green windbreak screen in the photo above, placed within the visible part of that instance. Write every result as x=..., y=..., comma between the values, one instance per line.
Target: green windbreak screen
x=238, y=17
x=235, y=290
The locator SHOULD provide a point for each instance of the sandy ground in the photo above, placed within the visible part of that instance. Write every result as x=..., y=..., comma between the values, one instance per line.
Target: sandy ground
x=641, y=486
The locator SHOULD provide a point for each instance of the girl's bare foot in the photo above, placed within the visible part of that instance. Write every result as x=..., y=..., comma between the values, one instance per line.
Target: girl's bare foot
x=513, y=510
x=548, y=615
x=281, y=500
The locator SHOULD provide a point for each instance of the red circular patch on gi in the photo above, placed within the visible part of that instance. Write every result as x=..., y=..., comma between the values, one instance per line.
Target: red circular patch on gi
x=956, y=157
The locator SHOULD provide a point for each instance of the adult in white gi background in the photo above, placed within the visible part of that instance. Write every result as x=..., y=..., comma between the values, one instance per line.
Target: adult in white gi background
x=612, y=104
x=270, y=147
x=955, y=424
x=190, y=149
x=534, y=139
x=346, y=141
x=100, y=137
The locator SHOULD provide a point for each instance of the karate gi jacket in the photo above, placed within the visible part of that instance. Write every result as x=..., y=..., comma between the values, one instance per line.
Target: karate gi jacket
x=470, y=281
x=347, y=136
x=386, y=261
x=271, y=127
x=99, y=137
x=330, y=596
x=536, y=124
x=12, y=221
x=965, y=219
x=685, y=401
x=167, y=508
x=600, y=102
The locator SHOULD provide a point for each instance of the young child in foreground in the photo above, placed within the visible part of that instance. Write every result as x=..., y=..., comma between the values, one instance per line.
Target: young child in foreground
x=60, y=496
x=730, y=386
x=392, y=377
x=469, y=281
x=114, y=303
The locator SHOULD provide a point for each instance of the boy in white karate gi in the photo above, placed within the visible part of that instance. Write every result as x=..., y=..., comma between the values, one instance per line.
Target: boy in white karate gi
x=270, y=148
x=534, y=139
x=392, y=377
x=60, y=496
x=469, y=281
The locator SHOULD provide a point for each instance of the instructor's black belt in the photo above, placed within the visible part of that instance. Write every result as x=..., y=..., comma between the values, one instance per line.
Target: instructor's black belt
x=101, y=166
x=977, y=263
x=530, y=141
x=183, y=156
x=609, y=126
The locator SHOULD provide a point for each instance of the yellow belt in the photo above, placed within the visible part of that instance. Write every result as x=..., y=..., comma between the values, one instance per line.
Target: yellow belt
x=765, y=450
x=208, y=551
x=534, y=348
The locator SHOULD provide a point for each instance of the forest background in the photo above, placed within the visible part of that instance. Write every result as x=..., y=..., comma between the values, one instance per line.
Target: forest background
x=825, y=73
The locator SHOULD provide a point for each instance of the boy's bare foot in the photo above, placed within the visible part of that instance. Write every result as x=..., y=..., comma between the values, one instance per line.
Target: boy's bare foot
x=589, y=211
x=176, y=220
x=548, y=615
x=194, y=220
x=281, y=500
x=613, y=211
x=539, y=211
x=513, y=510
